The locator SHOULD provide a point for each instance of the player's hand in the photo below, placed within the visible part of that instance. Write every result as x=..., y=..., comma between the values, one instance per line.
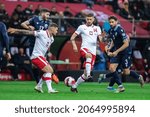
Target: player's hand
x=8, y=56
x=110, y=54
x=115, y=53
x=11, y=30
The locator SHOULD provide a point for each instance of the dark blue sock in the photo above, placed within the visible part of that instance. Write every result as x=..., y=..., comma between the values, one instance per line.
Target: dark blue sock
x=112, y=82
x=117, y=78
x=134, y=75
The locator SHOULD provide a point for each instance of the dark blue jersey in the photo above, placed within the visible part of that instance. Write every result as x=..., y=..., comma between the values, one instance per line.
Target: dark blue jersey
x=38, y=23
x=118, y=35
x=4, y=39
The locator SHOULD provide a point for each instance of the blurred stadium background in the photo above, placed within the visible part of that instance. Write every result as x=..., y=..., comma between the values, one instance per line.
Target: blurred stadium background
x=69, y=14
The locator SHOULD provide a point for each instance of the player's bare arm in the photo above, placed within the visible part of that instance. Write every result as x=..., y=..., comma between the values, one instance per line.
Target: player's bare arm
x=20, y=31
x=72, y=39
x=100, y=37
x=124, y=46
x=27, y=25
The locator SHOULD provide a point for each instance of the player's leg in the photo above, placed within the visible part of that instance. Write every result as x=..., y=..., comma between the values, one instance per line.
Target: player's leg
x=88, y=65
x=80, y=80
x=47, y=77
x=89, y=59
x=44, y=66
x=126, y=70
x=116, y=77
x=102, y=77
x=111, y=84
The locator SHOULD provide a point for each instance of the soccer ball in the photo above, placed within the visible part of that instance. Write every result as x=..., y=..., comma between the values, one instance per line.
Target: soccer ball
x=69, y=81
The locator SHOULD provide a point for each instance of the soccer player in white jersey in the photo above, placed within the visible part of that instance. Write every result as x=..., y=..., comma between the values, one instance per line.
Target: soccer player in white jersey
x=89, y=34
x=43, y=41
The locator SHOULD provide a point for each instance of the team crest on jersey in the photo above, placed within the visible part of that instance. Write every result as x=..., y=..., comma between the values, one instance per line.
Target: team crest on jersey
x=46, y=25
x=90, y=32
x=121, y=30
x=95, y=30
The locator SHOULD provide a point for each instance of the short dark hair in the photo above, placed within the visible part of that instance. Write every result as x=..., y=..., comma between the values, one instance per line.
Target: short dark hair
x=53, y=25
x=90, y=15
x=113, y=17
x=44, y=10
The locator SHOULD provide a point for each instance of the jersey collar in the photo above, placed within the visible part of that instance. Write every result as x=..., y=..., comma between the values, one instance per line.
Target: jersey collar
x=40, y=18
x=90, y=26
x=115, y=28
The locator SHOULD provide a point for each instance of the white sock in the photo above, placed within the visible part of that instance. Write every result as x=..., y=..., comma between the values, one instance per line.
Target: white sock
x=120, y=86
x=40, y=83
x=80, y=80
x=49, y=84
x=47, y=77
x=88, y=66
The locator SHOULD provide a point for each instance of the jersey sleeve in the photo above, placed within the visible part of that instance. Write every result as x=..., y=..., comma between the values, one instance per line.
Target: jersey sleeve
x=38, y=33
x=79, y=30
x=31, y=20
x=99, y=30
x=122, y=33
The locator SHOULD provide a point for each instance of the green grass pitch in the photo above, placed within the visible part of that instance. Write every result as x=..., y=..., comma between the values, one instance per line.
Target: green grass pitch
x=24, y=90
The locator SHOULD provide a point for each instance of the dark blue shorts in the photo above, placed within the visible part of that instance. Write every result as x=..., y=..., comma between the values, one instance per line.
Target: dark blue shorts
x=123, y=60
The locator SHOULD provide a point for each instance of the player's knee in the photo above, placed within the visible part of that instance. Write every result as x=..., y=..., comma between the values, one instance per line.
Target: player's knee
x=88, y=55
x=48, y=69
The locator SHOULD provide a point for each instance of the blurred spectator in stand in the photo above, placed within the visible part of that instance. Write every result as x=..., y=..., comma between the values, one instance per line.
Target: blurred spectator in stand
x=38, y=9
x=63, y=27
x=22, y=62
x=28, y=12
x=89, y=3
x=54, y=14
x=74, y=1
x=81, y=20
x=125, y=12
x=18, y=10
x=3, y=14
x=69, y=15
x=67, y=12
x=147, y=10
x=137, y=13
x=15, y=21
x=54, y=11
x=8, y=65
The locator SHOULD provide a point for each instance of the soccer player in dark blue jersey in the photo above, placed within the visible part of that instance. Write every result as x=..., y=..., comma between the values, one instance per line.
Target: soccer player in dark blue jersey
x=40, y=22
x=119, y=52
x=4, y=41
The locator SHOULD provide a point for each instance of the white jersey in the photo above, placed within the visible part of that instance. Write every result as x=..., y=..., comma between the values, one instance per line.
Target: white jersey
x=89, y=36
x=42, y=43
